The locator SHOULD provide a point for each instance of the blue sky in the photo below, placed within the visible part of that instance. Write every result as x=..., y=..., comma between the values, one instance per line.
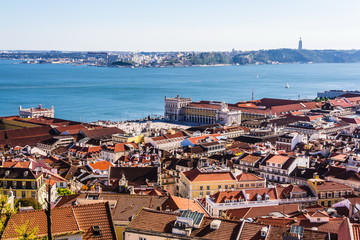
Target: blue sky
x=168, y=25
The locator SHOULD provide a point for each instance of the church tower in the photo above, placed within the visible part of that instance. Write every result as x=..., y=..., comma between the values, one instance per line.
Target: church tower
x=300, y=45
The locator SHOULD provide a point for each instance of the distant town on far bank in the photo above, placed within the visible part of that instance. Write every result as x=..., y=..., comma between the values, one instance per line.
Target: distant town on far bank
x=182, y=58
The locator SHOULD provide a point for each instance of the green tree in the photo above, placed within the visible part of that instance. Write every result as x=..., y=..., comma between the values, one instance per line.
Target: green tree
x=26, y=202
x=6, y=210
x=64, y=191
x=26, y=231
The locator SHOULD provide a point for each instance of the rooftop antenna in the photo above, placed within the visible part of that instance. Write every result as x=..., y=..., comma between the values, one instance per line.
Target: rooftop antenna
x=252, y=95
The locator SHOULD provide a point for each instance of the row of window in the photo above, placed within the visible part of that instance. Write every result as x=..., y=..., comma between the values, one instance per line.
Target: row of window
x=22, y=194
x=247, y=185
x=334, y=194
x=14, y=184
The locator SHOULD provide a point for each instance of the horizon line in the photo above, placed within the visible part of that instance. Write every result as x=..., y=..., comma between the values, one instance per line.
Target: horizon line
x=174, y=51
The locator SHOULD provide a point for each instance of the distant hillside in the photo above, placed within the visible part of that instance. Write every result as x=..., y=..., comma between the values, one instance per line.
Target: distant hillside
x=295, y=56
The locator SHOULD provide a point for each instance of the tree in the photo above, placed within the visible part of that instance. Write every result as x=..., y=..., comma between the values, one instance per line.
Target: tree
x=26, y=232
x=26, y=202
x=64, y=191
x=6, y=210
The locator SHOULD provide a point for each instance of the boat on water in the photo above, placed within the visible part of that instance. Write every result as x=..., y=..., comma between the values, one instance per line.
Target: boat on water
x=287, y=85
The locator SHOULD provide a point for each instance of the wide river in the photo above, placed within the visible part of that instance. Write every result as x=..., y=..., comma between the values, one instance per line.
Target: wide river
x=83, y=93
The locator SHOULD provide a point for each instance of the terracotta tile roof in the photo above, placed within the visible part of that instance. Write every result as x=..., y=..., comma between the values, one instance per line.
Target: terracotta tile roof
x=101, y=165
x=221, y=197
x=284, y=191
x=18, y=173
x=195, y=175
x=251, y=231
x=245, y=176
x=340, y=102
x=65, y=220
x=330, y=186
x=277, y=232
x=205, y=105
x=255, y=212
x=161, y=223
x=67, y=200
x=332, y=226
x=175, y=135
x=250, y=158
x=356, y=231
x=101, y=132
x=119, y=147
x=278, y=159
x=338, y=156
x=16, y=164
x=195, y=140
x=98, y=214
x=261, y=191
x=159, y=138
x=175, y=203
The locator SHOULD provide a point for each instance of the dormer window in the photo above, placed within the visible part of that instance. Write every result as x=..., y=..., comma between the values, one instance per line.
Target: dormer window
x=96, y=230
x=7, y=173
x=267, y=197
x=26, y=173
x=258, y=198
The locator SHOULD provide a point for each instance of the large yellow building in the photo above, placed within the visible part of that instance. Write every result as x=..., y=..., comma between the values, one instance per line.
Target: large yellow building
x=329, y=193
x=197, y=183
x=23, y=183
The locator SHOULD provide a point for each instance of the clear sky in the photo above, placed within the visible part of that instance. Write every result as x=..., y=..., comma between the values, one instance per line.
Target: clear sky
x=186, y=25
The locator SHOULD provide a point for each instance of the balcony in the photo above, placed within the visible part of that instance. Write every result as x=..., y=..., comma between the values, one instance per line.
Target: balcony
x=298, y=200
x=244, y=204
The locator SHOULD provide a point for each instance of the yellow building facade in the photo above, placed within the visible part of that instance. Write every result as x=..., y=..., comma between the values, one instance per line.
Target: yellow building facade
x=329, y=193
x=197, y=184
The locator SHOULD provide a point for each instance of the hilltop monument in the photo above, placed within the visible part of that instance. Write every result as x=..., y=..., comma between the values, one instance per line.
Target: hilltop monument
x=300, y=45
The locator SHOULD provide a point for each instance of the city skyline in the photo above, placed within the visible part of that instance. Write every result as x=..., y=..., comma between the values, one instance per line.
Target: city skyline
x=175, y=26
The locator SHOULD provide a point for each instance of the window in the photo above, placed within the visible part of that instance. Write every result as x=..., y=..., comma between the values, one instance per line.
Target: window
x=96, y=230
x=232, y=186
x=33, y=194
x=201, y=187
x=23, y=194
x=207, y=193
x=260, y=184
x=14, y=184
x=336, y=194
x=5, y=184
x=207, y=187
x=142, y=238
x=226, y=186
x=241, y=185
x=33, y=185
x=219, y=186
x=23, y=184
x=253, y=185
x=247, y=185
x=318, y=219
